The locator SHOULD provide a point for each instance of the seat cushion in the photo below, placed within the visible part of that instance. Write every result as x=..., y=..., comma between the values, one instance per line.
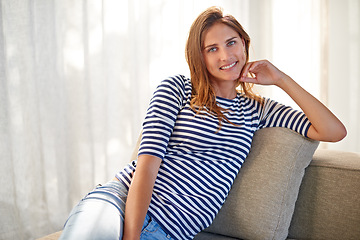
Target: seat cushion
x=328, y=206
x=212, y=236
x=261, y=202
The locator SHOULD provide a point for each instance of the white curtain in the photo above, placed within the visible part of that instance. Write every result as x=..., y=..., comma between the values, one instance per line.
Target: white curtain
x=76, y=78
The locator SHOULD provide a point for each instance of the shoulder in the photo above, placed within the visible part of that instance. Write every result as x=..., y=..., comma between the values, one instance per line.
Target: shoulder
x=175, y=88
x=177, y=83
x=178, y=80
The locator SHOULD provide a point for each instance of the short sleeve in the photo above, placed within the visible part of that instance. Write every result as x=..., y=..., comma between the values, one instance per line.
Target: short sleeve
x=161, y=116
x=274, y=114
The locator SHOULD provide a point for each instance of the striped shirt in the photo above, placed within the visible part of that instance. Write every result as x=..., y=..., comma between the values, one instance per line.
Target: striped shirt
x=199, y=163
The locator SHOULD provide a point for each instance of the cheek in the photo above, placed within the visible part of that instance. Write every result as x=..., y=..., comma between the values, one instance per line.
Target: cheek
x=243, y=55
x=242, y=58
x=242, y=52
x=208, y=63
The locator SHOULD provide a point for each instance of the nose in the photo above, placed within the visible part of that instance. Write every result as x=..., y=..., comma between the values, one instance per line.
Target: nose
x=224, y=54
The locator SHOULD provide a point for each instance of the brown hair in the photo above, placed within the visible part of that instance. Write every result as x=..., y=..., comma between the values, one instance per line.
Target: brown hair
x=203, y=94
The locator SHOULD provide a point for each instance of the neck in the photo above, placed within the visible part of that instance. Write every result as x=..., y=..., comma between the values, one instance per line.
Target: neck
x=225, y=90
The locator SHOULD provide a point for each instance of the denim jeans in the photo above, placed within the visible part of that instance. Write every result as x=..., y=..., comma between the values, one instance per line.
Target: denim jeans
x=100, y=215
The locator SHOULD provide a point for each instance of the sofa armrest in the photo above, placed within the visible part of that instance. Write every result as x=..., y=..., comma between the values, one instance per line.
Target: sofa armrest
x=328, y=206
x=262, y=199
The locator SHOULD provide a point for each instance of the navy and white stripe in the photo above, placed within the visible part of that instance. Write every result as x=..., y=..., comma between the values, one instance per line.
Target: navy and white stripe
x=200, y=163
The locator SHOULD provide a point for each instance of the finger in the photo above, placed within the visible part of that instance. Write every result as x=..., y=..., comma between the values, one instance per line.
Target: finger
x=254, y=67
x=246, y=68
x=248, y=79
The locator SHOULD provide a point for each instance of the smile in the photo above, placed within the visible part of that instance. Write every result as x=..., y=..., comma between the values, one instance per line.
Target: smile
x=228, y=66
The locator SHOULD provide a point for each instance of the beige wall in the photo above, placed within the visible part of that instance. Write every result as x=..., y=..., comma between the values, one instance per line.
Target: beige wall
x=344, y=69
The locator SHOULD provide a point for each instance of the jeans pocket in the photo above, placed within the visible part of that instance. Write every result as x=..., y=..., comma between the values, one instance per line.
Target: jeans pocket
x=149, y=226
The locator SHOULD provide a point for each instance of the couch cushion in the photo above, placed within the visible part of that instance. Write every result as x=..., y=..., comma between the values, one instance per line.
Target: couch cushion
x=328, y=206
x=212, y=236
x=262, y=200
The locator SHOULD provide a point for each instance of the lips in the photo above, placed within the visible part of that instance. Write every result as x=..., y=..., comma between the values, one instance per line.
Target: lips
x=226, y=67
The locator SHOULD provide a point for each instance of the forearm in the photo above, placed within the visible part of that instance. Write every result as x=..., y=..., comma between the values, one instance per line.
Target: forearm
x=139, y=195
x=325, y=125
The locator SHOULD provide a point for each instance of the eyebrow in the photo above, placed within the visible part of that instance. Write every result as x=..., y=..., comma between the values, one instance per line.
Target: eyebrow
x=215, y=44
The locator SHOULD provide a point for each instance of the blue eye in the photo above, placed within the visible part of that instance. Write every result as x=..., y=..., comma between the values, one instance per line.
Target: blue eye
x=213, y=49
x=231, y=43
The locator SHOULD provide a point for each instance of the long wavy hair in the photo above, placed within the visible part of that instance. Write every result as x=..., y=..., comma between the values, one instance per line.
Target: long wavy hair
x=203, y=93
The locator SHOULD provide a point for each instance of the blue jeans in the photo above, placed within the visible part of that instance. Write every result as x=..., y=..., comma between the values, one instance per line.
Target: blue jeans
x=100, y=215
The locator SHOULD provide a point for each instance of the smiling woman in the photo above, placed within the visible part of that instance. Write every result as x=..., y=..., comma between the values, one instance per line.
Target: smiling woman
x=76, y=78
x=184, y=142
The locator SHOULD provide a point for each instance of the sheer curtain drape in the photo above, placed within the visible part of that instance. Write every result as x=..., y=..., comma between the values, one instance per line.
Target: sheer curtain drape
x=76, y=78
x=72, y=101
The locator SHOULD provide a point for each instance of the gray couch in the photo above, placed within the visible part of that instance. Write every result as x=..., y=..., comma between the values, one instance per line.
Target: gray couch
x=285, y=191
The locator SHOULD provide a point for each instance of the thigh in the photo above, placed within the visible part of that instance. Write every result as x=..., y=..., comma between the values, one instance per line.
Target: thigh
x=99, y=215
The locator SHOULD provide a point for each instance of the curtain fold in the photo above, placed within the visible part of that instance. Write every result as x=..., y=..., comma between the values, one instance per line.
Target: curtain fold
x=76, y=78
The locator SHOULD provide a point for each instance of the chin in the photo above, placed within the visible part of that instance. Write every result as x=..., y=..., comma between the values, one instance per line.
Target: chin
x=225, y=77
x=234, y=78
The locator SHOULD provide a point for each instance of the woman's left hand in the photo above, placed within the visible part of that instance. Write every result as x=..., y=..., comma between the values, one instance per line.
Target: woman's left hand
x=325, y=126
x=262, y=72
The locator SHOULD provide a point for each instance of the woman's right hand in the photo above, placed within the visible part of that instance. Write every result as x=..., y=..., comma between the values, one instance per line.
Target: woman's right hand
x=139, y=195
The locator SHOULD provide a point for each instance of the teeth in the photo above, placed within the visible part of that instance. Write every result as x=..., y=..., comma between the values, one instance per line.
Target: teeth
x=229, y=66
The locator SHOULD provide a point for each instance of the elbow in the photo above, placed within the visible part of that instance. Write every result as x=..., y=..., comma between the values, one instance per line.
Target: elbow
x=338, y=135
x=342, y=133
x=331, y=134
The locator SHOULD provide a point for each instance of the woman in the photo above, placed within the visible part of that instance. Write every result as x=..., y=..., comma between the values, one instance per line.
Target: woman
x=196, y=135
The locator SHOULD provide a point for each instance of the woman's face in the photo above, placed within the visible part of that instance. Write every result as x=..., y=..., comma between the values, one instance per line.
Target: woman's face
x=224, y=53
